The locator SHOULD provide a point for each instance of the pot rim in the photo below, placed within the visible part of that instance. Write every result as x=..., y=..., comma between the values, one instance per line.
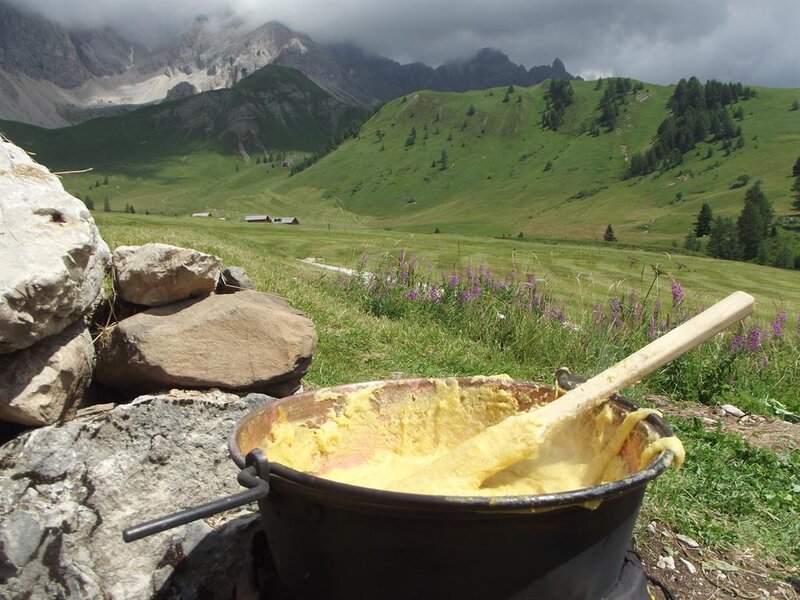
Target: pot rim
x=376, y=497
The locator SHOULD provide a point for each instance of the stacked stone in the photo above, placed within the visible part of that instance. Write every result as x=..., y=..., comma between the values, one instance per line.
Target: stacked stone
x=52, y=265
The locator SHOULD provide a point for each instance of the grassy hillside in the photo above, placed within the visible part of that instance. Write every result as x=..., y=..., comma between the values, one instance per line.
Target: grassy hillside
x=503, y=174
x=496, y=181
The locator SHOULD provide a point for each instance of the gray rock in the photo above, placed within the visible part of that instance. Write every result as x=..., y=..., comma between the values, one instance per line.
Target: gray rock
x=248, y=341
x=47, y=382
x=184, y=89
x=732, y=410
x=54, y=259
x=68, y=491
x=234, y=279
x=159, y=274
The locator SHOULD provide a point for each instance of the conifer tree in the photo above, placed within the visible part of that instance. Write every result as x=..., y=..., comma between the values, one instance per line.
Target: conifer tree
x=723, y=241
x=609, y=236
x=751, y=230
x=704, y=218
x=796, y=168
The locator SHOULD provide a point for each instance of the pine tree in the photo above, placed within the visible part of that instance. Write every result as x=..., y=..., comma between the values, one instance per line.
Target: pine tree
x=723, y=241
x=796, y=168
x=89, y=202
x=106, y=205
x=795, y=189
x=443, y=161
x=751, y=230
x=609, y=236
x=470, y=110
x=704, y=218
x=755, y=195
x=105, y=180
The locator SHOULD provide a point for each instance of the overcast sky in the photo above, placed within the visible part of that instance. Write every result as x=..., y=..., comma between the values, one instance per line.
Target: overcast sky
x=753, y=41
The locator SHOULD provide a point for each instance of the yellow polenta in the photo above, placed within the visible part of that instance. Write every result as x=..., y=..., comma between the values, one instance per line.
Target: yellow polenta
x=382, y=445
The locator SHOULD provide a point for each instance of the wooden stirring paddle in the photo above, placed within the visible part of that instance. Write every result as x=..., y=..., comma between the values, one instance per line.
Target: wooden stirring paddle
x=519, y=437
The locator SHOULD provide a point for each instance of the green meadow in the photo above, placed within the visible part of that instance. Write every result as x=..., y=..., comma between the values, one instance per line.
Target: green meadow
x=730, y=496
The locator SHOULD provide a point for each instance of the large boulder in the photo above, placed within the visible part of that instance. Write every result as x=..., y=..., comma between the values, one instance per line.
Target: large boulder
x=47, y=382
x=159, y=274
x=249, y=341
x=53, y=258
x=70, y=490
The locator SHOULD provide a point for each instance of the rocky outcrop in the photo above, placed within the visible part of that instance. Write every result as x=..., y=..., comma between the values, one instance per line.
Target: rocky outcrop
x=47, y=382
x=69, y=491
x=234, y=279
x=158, y=274
x=249, y=341
x=54, y=259
x=182, y=90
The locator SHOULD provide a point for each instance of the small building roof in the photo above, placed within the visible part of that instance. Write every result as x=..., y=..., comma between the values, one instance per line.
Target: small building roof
x=285, y=220
x=257, y=218
x=201, y=214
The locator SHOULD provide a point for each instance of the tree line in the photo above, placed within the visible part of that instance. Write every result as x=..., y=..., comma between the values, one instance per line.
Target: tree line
x=752, y=237
x=699, y=112
x=614, y=97
x=558, y=97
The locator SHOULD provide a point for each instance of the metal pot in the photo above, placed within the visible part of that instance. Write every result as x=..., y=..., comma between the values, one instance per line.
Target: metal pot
x=334, y=540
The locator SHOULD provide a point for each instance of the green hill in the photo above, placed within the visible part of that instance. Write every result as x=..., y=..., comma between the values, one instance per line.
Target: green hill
x=474, y=163
x=497, y=180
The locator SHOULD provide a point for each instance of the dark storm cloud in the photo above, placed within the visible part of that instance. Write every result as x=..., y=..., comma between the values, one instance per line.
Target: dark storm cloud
x=656, y=40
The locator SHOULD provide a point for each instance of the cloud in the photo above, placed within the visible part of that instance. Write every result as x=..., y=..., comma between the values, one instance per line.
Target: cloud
x=756, y=42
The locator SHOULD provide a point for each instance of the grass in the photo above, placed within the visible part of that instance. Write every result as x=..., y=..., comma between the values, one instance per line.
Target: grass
x=729, y=494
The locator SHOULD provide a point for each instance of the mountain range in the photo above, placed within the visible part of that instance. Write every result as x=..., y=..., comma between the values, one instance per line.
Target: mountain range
x=51, y=76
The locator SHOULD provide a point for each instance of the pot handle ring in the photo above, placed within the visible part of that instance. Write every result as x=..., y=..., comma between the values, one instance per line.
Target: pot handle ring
x=255, y=477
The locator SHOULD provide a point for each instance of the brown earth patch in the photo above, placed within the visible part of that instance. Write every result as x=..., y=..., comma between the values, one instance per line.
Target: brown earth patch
x=774, y=434
x=719, y=576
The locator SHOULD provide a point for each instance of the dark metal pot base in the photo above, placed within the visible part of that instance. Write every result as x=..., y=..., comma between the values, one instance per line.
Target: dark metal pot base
x=631, y=585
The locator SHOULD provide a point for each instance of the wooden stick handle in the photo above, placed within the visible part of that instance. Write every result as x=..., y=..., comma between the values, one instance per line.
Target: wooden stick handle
x=659, y=352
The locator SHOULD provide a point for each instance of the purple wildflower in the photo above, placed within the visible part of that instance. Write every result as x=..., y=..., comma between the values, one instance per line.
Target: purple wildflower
x=677, y=294
x=435, y=295
x=412, y=295
x=465, y=296
x=657, y=307
x=476, y=290
x=737, y=344
x=404, y=274
x=454, y=281
x=599, y=317
x=557, y=314
x=615, y=312
x=638, y=313
x=753, y=340
x=652, y=328
x=778, y=323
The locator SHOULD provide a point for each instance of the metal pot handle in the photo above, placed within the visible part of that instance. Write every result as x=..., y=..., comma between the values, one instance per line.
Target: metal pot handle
x=254, y=476
x=566, y=380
